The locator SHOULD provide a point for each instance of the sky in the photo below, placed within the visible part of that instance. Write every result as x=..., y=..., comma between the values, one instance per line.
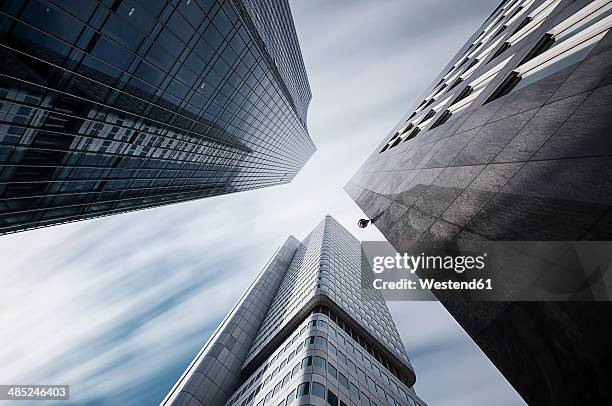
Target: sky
x=118, y=306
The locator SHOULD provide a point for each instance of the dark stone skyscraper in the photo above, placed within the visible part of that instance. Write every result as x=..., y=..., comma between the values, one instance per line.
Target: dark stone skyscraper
x=304, y=333
x=120, y=105
x=512, y=142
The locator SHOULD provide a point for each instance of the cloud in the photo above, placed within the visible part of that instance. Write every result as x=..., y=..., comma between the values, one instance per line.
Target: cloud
x=451, y=370
x=117, y=313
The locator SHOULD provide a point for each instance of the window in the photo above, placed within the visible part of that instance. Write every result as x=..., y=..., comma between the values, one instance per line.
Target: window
x=321, y=341
x=53, y=21
x=365, y=401
x=306, y=362
x=429, y=102
x=318, y=390
x=332, y=349
x=371, y=385
x=533, y=21
x=412, y=134
x=456, y=83
x=566, y=44
x=522, y=25
x=516, y=80
x=309, y=341
x=303, y=389
x=354, y=391
x=341, y=357
x=543, y=45
x=407, y=128
x=343, y=380
x=361, y=374
x=332, y=399
x=576, y=23
x=463, y=94
x=442, y=119
x=396, y=142
x=502, y=29
x=500, y=51
x=319, y=362
x=565, y=60
x=429, y=115
x=333, y=372
x=295, y=370
x=352, y=366
x=286, y=379
x=506, y=87
x=376, y=370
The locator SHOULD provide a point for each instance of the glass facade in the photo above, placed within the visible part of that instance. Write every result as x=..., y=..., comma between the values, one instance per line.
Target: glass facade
x=113, y=106
x=324, y=355
x=314, y=337
x=325, y=265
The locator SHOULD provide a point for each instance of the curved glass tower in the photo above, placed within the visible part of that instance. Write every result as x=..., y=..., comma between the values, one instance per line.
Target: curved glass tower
x=305, y=333
x=113, y=106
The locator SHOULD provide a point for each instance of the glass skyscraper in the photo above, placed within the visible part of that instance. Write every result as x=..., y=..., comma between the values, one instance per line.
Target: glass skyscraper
x=119, y=105
x=305, y=333
x=511, y=141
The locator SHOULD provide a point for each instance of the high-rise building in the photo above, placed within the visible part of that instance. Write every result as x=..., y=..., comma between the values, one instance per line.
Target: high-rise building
x=512, y=142
x=304, y=332
x=120, y=105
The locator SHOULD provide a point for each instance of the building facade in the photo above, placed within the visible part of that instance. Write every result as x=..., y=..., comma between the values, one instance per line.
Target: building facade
x=304, y=333
x=512, y=142
x=114, y=106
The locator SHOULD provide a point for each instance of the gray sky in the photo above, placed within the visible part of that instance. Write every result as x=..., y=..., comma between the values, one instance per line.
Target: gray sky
x=117, y=307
